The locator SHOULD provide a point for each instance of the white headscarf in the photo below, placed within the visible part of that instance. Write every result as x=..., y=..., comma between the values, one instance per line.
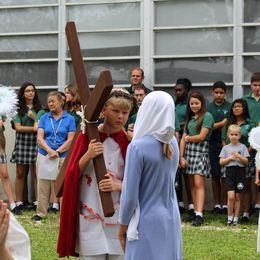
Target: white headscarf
x=156, y=117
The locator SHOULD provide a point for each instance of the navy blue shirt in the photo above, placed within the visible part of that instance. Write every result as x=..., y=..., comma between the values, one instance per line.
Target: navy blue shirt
x=56, y=130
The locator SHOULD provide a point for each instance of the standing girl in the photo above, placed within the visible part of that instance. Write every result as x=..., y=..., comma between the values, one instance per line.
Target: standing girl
x=25, y=150
x=194, y=151
x=239, y=115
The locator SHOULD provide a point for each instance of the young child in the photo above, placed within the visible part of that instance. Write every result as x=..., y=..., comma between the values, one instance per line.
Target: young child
x=194, y=151
x=239, y=115
x=219, y=108
x=83, y=228
x=234, y=157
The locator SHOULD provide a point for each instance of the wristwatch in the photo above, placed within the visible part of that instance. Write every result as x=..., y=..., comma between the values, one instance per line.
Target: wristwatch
x=58, y=151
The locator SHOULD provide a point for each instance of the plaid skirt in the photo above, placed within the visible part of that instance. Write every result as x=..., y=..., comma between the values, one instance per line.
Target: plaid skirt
x=197, y=157
x=25, y=149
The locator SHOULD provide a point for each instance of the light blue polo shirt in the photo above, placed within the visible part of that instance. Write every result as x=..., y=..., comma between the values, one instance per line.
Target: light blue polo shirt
x=56, y=131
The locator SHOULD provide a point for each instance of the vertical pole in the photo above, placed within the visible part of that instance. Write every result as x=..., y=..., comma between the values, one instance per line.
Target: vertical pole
x=146, y=42
x=62, y=46
x=238, y=65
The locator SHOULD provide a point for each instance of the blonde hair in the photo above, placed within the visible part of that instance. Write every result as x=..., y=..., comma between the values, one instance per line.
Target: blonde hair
x=167, y=151
x=234, y=127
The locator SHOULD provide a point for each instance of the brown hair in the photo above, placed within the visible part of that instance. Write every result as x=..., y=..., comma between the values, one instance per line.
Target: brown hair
x=255, y=77
x=74, y=104
x=203, y=110
x=137, y=68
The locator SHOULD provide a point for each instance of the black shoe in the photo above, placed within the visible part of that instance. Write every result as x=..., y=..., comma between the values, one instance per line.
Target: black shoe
x=191, y=216
x=216, y=211
x=224, y=211
x=198, y=221
x=182, y=210
x=19, y=209
x=37, y=218
x=230, y=222
x=244, y=220
x=53, y=210
x=16, y=211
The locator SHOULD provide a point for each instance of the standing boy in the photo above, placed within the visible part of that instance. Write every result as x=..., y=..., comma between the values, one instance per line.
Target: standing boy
x=83, y=228
x=219, y=108
x=253, y=102
x=234, y=156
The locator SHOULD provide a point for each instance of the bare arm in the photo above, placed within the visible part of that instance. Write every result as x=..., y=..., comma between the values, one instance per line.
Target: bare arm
x=182, y=148
x=220, y=124
x=66, y=145
x=42, y=143
x=23, y=129
x=122, y=235
x=257, y=173
x=225, y=161
x=198, y=138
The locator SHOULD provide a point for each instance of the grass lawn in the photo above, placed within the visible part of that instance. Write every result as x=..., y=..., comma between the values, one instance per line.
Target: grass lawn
x=214, y=240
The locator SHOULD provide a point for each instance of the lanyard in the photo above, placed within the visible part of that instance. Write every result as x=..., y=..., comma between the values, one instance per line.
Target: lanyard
x=55, y=130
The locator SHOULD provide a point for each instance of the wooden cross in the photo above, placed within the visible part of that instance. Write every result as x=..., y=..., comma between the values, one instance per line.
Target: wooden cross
x=94, y=104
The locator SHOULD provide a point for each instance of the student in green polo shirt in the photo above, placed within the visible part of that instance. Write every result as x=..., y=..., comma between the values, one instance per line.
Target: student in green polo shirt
x=25, y=149
x=219, y=108
x=253, y=98
x=253, y=102
x=181, y=91
x=194, y=151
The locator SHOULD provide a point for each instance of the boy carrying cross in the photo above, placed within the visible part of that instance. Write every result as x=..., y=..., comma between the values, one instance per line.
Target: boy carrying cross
x=84, y=230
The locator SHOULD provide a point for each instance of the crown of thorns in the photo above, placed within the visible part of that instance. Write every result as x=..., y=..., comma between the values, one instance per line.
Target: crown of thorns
x=118, y=93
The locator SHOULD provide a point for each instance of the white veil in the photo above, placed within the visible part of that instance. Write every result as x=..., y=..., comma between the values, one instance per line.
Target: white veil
x=156, y=117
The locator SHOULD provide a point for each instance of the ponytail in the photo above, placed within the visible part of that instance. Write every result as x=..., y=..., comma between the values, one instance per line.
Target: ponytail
x=167, y=151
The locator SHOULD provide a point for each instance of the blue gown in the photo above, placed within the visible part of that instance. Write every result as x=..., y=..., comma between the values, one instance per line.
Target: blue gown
x=149, y=177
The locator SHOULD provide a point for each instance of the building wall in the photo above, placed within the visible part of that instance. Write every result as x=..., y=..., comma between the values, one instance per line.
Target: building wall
x=202, y=40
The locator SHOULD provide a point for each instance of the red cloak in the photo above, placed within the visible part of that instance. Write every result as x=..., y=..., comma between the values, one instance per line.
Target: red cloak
x=70, y=202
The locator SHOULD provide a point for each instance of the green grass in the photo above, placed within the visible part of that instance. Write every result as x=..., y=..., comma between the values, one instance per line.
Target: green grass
x=214, y=240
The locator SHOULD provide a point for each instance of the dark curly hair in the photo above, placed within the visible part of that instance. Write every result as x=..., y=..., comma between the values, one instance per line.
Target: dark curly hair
x=232, y=118
x=22, y=107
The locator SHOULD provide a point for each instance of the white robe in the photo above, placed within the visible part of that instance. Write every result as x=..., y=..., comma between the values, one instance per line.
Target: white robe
x=17, y=240
x=97, y=234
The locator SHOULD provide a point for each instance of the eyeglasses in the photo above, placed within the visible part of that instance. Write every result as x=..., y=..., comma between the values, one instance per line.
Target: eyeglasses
x=29, y=90
x=237, y=106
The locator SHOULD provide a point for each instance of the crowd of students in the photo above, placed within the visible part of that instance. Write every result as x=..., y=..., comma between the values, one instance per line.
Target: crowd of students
x=205, y=132
x=213, y=142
